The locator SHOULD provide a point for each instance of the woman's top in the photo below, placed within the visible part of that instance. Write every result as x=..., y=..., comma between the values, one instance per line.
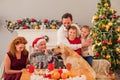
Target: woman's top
x=16, y=64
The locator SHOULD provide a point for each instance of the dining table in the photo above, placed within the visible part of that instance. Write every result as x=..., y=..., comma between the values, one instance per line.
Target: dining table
x=25, y=75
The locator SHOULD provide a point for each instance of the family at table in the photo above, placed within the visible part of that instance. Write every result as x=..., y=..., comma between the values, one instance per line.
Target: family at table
x=69, y=34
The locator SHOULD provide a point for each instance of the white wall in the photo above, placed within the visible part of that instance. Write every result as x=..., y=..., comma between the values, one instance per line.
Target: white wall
x=82, y=11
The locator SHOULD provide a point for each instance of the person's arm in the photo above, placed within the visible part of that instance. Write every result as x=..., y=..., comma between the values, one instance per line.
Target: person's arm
x=7, y=66
x=61, y=39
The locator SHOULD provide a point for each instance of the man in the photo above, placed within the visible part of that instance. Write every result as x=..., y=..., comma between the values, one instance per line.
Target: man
x=62, y=33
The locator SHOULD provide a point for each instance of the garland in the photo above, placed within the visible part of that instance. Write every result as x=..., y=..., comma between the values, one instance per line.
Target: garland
x=32, y=23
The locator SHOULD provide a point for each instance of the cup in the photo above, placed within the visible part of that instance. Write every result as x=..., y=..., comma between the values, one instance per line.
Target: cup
x=68, y=66
x=31, y=68
x=50, y=66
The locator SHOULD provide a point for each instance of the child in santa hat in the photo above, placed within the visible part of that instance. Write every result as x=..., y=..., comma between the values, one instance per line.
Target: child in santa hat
x=42, y=56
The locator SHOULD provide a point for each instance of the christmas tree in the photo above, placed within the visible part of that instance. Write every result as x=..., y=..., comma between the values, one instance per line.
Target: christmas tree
x=106, y=34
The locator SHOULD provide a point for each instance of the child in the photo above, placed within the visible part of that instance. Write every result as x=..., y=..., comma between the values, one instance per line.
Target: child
x=42, y=56
x=86, y=51
x=72, y=37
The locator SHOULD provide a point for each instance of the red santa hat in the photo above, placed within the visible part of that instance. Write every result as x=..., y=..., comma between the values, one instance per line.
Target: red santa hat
x=37, y=41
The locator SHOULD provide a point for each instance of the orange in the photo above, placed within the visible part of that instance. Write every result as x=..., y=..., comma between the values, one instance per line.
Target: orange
x=56, y=75
x=70, y=74
x=64, y=75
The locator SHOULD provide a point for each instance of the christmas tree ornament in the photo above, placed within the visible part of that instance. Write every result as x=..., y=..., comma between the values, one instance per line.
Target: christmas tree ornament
x=118, y=29
x=115, y=16
x=96, y=54
x=103, y=26
x=106, y=4
x=110, y=42
x=103, y=16
x=104, y=47
x=107, y=56
x=104, y=42
x=95, y=17
x=107, y=28
x=112, y=10
x=110, y=24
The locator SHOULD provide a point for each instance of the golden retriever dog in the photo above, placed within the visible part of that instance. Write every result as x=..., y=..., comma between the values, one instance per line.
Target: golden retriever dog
x=79, y=65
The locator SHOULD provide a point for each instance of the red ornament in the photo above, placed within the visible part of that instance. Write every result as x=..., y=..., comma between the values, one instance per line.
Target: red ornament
x=103, y=16
x=24, y=27
x=104, y=42
x=19, y=21
x=60, y=71
x=114, y=16
x=45, y=20
x=118, y=41
x=96, y=54
x=32, y=20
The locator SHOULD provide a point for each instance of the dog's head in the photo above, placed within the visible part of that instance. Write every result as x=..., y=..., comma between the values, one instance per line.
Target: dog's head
x=63, y=50
x=59, y=49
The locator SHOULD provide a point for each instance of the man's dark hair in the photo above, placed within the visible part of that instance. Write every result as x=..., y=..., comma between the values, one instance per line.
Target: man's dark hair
x=67, y=15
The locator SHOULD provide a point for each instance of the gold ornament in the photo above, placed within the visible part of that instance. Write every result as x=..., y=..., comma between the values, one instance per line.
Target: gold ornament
x=103, y=26
x=110, y=42
x=94, y=35
x=103, y=48
x=53, y=27
x=95, y=17
x=110, y=23
x=112, y=10
x=118, y=29
x=118, y=50
x=108, y=56
x=106, y=4
x=11, y=24
x=36, y=27
x=99, y=43
x=107, y=27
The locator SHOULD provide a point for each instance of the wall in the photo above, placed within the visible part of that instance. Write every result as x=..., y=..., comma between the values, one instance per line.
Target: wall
x=82, y=11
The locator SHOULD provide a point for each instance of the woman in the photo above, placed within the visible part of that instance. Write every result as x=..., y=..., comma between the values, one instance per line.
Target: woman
x=41, y=55
x=16, y=59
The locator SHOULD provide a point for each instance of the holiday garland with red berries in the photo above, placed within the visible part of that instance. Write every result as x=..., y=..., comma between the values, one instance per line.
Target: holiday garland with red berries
x=106, y=34
x=32, y=23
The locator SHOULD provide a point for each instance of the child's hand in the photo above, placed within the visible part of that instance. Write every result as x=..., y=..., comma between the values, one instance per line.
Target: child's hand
x=87, y=43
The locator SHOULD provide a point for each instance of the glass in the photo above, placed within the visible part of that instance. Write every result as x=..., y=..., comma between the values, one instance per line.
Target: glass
x=31, y=68
x=50, y=66
x=68, y=66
